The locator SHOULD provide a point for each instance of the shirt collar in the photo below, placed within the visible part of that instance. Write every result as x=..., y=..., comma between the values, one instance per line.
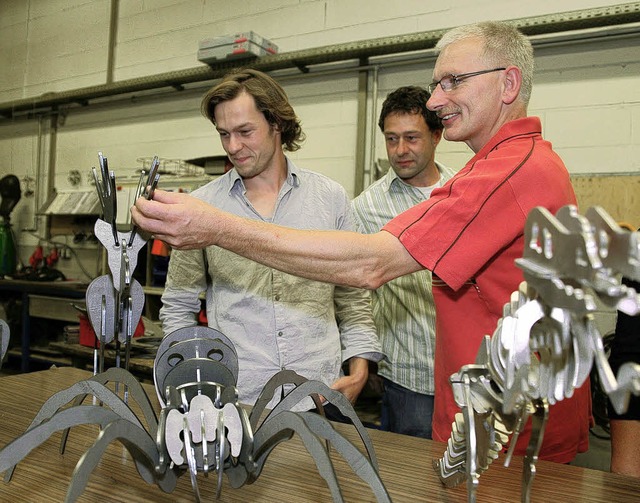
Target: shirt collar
x=392, y=181
x=517, y=127
x=235, y=180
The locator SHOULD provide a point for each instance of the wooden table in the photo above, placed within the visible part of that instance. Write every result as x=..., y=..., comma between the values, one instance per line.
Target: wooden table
x=289, y=475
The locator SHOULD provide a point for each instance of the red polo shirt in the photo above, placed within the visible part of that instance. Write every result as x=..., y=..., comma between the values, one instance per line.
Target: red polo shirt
x=469, y=233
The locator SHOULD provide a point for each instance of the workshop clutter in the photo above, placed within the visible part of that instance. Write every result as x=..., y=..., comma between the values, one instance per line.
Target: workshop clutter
x=38, y=258
x=87, y=336
x=7, y=250
x=10, y=194
x=41, y=266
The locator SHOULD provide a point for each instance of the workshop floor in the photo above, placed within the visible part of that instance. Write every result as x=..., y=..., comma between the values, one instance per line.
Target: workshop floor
x=598, y=456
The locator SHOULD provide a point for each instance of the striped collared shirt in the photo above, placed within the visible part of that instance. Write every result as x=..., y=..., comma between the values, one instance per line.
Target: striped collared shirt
x=403, y=309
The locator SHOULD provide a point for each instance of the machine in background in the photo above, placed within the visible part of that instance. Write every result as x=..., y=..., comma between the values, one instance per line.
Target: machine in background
x=10, y=194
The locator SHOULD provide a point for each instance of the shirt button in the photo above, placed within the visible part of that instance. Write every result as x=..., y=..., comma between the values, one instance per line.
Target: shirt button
x=279, y=334
x=277, y=297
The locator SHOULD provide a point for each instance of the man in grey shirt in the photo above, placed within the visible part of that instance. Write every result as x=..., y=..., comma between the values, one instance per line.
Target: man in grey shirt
x=276, y=320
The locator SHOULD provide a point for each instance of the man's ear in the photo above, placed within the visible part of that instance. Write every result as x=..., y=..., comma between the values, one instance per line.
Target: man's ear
x=512, y=83
x=436, y=136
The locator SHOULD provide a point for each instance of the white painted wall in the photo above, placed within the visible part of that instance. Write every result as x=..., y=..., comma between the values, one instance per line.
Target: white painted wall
x=588, y=95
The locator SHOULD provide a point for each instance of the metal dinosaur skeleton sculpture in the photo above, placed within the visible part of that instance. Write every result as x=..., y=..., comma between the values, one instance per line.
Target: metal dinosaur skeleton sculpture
x=201, y=428
x=546, y=342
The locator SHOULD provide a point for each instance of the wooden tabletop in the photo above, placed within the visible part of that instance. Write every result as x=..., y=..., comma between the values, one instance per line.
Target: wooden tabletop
x=289, y=474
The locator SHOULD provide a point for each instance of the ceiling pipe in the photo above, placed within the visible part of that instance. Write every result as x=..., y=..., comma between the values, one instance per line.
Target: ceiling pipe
x=616, y=15
x=113, y=37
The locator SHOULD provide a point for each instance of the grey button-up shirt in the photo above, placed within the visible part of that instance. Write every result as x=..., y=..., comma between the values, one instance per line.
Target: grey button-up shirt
x=276, y=320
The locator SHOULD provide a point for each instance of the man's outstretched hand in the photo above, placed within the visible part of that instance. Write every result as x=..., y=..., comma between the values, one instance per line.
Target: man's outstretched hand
x=178, y=219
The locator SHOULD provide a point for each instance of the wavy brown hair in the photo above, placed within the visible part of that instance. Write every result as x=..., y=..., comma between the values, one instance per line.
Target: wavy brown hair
x=269, y=97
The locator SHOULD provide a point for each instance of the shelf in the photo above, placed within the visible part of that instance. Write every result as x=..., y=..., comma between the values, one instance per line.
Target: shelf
x=48, y=357
x=153, y=290
x=138, y=365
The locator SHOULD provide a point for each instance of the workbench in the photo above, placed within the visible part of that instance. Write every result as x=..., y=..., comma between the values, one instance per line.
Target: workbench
x=52, y=300
x=289, y=474
x=59, y=301
x=82, y=357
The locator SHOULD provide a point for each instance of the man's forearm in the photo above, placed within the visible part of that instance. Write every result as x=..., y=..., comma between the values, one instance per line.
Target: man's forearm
x=339, y=257
x=359, y=369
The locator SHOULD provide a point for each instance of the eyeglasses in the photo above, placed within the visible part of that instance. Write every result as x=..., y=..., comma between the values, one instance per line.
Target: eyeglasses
x=450, y=82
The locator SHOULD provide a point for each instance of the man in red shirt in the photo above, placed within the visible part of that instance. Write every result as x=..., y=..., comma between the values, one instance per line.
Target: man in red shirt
x=468, y=233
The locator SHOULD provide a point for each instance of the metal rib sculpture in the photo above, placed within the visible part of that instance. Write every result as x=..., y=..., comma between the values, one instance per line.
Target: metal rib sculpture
x=546, y=343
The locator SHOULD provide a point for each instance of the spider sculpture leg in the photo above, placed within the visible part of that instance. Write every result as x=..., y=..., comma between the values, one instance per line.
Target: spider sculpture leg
x=140, y=445
x=282, y=426
x=332, y=396
x=135, y=390
x=277, y=380
x=362, y=467
x=281, y=380
x=18, y=449
x=51, y=407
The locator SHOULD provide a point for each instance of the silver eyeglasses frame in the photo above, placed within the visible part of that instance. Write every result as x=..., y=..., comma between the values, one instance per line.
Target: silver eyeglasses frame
x=451, y=81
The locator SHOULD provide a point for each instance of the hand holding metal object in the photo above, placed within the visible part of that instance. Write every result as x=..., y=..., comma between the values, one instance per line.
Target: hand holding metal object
x=146, y=191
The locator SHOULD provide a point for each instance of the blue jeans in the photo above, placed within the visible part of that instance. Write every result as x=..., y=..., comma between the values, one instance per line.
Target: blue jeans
x=405, y=411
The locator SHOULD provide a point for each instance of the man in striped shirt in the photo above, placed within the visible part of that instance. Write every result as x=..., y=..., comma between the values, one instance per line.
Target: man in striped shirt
x=403, y=309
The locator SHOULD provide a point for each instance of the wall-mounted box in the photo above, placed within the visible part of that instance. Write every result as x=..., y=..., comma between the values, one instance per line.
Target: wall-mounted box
x=236, y=46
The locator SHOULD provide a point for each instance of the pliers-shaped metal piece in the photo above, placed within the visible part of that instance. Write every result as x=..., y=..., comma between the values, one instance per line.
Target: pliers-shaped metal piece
x=146, y=190
x=106, y=188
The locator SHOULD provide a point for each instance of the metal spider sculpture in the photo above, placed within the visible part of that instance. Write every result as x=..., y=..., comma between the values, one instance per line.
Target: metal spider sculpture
x=202, y=428
x=546, y=343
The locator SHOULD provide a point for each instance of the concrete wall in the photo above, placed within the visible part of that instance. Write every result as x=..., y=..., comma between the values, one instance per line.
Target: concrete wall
x=588, y=94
